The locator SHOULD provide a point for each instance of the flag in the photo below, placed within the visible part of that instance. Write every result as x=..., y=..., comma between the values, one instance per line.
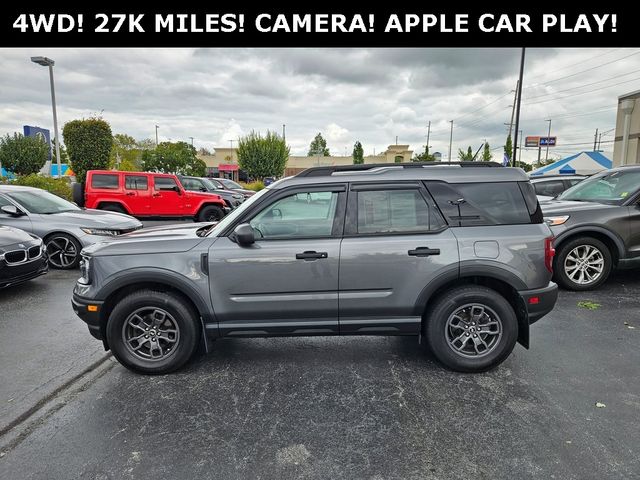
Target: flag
x=505, y=160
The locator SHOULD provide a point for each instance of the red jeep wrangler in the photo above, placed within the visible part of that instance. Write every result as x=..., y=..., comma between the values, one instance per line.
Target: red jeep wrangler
x=144, y=194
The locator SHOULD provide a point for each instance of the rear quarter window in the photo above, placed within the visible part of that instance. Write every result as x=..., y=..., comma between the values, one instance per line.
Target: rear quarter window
x=103, y=180
x=487, y=203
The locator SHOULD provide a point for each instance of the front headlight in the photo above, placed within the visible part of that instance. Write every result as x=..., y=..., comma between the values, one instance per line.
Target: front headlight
x=100, y=231
x=85, y=270
x=559, y=220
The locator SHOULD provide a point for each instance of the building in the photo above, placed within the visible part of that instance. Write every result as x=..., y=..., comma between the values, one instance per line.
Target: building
x=626, y=149
x=583, y=163
x=224, y=161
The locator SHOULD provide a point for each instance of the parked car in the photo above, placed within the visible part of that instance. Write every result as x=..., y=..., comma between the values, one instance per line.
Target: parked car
x=22, y=257
x=550, y=186
x=230, y=185
x=458, y=255
x=196, y=184
x=64, y=227
x=150, y=195
x=597, y=227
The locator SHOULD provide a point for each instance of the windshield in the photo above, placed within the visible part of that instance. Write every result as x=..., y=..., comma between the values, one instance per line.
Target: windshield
x=609, y=187
x=42, y=202
x=209, y=184
x=237, y=212
x=230, y=184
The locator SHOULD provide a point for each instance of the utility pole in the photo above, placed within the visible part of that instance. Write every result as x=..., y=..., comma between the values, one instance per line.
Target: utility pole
x=450, y=140
x=157, y=135
x=191, y=141
x=283, y=130
x=595, y=140
x=520, y=148
x=428, y=135
x=546, y=156
x=539, y=153
x=513, y=107
x=515, y=143
x=396, y=139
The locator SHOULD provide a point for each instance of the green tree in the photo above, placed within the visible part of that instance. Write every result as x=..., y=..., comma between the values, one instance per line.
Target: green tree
x=173, y=157
x=486, y=153
x=23, y=155
x=318, y=147
x=89, y=142
x=527, y=167
x=508, y=148
x=64, y=158
x=126, y=153
x=424, y=156
x=262, y=156
x=358, y=153
x=465, y=156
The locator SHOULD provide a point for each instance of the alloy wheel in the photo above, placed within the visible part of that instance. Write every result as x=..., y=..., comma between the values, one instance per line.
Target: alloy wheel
x=151, y=333
x=584, y=264
x=473, y=330
x=62, y=252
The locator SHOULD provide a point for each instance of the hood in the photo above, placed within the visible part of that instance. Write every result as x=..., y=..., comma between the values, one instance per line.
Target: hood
x=194, y=193
x=567, y=206
x=96, y=219
x=9, y=236
x=165, y=239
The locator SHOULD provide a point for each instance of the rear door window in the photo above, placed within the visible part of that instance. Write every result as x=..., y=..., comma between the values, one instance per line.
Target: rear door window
x=165, y=183
x=487, y=203
x=103, y=180
x=549, y=188
x=135, y=182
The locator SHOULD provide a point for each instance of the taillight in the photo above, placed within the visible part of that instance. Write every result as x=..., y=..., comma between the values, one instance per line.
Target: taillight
x=549, y=253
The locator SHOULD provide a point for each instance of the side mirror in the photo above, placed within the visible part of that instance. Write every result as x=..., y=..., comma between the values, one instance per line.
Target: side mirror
x=244, y=235
x=177, y=190
x=12, y=210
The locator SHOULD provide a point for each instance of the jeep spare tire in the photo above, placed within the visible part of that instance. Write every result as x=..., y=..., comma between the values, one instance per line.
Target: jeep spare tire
x=77, y=193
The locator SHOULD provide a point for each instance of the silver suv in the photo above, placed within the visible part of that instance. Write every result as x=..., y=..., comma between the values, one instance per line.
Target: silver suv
x=457, y=255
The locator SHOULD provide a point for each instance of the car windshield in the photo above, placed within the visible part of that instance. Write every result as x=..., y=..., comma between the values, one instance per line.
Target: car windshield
x=209, y=184
x=230, y=184
x=608, y=187
x=230, y=218
x=42, y=202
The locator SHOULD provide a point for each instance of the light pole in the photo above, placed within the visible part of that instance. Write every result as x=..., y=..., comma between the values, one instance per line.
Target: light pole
x=450, y=140
x=546, y=155
x=47, y=62
x=191, y=141
x=157, y=127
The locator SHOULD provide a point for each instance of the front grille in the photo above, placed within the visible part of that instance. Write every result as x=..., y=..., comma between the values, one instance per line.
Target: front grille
x=15, y=256
x=34, y=252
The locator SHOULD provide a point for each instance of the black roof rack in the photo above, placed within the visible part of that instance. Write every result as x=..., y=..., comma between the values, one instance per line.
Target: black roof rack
x=329, y=169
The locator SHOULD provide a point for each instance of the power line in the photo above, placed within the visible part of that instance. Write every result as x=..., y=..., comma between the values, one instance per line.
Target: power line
x=582, y=93
x=574, y=64
x=583, y=85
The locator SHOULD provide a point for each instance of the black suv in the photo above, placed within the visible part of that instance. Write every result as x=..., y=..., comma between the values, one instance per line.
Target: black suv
x=597, y=227
x=456, y=254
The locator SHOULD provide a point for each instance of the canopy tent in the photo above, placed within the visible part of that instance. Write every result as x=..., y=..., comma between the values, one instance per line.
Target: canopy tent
x=583, y=163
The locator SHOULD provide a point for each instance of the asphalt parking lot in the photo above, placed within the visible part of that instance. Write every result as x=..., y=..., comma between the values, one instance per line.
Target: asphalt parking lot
x=358, y=407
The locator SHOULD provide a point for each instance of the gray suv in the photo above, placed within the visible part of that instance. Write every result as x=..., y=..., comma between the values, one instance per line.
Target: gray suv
x=457, y=255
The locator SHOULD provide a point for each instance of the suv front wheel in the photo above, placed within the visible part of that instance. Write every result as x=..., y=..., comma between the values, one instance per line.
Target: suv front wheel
x=583, y=263
x=471, y=328
x=153, y=332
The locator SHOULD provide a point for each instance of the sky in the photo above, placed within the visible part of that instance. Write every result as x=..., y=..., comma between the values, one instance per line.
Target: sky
x=370, y=95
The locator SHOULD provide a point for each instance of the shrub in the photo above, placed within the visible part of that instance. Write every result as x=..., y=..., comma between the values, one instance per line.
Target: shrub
x=262, y=156
x=255, y=186
x=23, y=155
x=89, y=144
x=57, y=186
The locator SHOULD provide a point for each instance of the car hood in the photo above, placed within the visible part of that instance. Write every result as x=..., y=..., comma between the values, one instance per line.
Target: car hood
x=96, y=219
x=566, y=206
x=165, y=239
x=9, y=236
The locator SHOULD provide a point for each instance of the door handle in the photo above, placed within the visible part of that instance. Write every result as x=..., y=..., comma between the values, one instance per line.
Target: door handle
x=130, y=194
x=424, y=252
x=156, y=194
x=311, y=255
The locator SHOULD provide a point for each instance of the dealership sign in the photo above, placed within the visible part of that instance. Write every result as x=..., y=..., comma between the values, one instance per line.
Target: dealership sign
x=41, y=133
x=540, y=142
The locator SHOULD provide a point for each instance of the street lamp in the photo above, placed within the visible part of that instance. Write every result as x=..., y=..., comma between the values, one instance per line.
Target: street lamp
x=47, y=62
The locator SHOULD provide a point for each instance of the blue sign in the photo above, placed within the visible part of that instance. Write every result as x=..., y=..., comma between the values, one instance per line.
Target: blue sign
x=43, y=133
x=544, y=141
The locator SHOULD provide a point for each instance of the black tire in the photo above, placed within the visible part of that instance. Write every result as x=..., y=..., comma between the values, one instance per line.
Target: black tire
x=111, y=207
x=438, y=331
x=77, y=193
x=210, y=213
x=63, y=251
x=562, y=264
x=176, y=354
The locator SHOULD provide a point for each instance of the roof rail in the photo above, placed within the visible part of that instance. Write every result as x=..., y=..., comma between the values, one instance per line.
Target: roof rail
x=329, y=169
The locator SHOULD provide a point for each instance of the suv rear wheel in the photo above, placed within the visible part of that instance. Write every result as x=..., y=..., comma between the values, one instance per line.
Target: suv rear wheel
x=583, y=263
x=153, y=332
x=471, y=328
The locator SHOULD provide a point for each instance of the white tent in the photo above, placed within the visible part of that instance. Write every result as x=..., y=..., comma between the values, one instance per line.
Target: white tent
x=583, y=163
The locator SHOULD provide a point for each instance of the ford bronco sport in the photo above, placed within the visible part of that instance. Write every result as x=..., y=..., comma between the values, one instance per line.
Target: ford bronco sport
x=457, y=255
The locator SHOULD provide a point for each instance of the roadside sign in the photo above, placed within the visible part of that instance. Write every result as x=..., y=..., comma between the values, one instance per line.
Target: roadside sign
x=531, y=141
x=548, y=141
